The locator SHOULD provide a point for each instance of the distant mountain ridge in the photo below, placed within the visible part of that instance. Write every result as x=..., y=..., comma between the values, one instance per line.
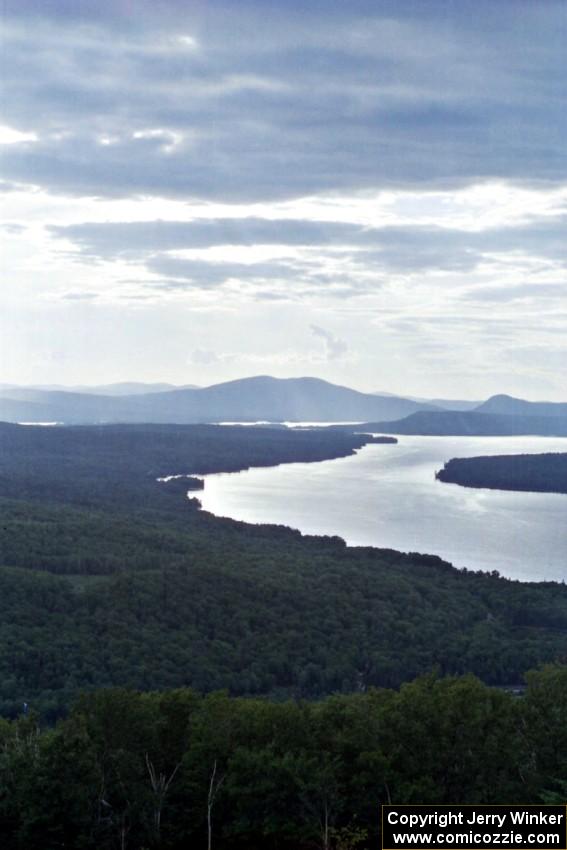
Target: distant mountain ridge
x=246, y=400
x=510, y=406
x=264, y=398
x=122, y=388
x=449, y=423
x=443, y=403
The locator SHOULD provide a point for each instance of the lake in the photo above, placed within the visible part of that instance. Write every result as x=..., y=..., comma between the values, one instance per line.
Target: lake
x=387, y=496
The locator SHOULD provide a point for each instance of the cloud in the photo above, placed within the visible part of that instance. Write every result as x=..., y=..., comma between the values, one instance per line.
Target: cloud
x=6, y=187
x=210, y=275
x=518, y=292
x=335, y=348
x=329, y=98
x=80, y=296
x=9, y=136
x=381, y=164
x=13, y=228
x=106, y=240
x=339, y=257
x=203, y=357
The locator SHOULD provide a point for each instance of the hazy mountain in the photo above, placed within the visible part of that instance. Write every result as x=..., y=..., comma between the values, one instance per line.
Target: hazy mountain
x=118, y=389
x=450, y=403
x=510, y=406
x=248, y=399
x=54, y=406
x=471, y=423
x=444, y=403
x=124, y=388
x=13, y=410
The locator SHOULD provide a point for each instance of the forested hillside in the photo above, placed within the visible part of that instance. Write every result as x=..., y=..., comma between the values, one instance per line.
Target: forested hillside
x=110, y=578
x=119, y=464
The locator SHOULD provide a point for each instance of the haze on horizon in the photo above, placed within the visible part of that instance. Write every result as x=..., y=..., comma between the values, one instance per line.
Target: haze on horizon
x=374, y=193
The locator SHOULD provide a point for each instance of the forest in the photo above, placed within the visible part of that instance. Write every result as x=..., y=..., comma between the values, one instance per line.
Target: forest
x=541, y=473
x=178, y=769
x=168, y=677
x=111, y=578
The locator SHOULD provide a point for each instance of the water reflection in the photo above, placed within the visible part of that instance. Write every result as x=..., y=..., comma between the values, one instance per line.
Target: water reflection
x=387, y=496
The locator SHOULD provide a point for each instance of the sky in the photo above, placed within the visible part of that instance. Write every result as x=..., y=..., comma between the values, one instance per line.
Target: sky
x=373, y=193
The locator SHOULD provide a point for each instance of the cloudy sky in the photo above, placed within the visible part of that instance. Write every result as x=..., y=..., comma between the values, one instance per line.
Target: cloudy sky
x=374, y=193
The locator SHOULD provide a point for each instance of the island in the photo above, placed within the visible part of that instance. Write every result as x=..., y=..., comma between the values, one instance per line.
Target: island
x=538, y=473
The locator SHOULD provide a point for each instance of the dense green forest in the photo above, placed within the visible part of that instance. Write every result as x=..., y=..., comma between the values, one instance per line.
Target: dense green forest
x=110, y=578
x=177, y=770
x=542, y=473
x=117, y=465
x=170, y=679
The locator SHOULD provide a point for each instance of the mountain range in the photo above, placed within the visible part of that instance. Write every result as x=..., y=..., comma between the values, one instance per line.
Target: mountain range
x=118, y=389
x=269, y=399
x=246, y=400
x=472, y=423
x=505, y=404
x=443, y=403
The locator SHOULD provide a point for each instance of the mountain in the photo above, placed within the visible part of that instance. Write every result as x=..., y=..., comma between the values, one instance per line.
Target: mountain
x=450, y=403
x=247, y=400
x=122, y=388
x=443, y=403
x=501, y=404
x=470, y=423
x=14, y=410
x=510, y=406
x=28, y=405
x=118, y=389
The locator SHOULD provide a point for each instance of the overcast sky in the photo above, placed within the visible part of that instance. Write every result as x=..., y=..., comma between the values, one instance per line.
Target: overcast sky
x=374, y=193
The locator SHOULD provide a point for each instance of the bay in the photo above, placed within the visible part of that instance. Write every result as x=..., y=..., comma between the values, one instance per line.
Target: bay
x=387, y=496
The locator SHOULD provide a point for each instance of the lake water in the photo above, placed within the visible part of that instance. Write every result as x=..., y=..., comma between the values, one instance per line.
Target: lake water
x=387, y=496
